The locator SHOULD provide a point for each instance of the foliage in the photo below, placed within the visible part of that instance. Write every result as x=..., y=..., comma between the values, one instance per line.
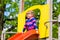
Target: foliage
x=11, y=13
x=56, y=12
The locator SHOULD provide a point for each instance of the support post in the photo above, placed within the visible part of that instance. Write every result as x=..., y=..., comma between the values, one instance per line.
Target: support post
x=21, y=6
x=59, y=27
x=50, y=2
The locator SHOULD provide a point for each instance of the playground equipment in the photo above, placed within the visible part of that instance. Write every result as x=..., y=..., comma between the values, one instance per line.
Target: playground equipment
x=43, y=31
x=45, y=15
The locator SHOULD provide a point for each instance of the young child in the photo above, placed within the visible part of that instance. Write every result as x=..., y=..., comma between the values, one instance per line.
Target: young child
x=30, y=22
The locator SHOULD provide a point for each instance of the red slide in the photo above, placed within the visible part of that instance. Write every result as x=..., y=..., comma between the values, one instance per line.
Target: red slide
x=30, y=35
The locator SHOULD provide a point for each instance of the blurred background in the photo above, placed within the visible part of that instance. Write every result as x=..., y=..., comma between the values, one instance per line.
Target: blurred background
x=9, y=10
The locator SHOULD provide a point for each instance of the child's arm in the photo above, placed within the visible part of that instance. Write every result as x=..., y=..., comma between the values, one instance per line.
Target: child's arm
x=34, y=24
x=24, y=28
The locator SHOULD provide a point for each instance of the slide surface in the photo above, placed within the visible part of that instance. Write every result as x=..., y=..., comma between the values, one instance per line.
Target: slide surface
x=25, y=36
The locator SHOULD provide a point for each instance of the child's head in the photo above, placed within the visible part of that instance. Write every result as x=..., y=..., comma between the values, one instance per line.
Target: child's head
x=30, y=14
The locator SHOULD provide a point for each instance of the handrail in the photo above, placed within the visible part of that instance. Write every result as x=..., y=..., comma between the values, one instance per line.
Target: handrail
x=3, y=35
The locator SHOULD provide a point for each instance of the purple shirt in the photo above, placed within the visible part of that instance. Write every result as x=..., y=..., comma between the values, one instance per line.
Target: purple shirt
x=30, y=24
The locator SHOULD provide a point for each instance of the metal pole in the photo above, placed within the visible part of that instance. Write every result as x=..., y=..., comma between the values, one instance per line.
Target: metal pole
x=50, y=2
x=21, y=6
x=59, y=27
x=2, y=36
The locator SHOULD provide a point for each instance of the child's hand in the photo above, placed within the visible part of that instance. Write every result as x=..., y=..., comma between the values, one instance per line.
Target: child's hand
x=37, y=30
x=22, y=32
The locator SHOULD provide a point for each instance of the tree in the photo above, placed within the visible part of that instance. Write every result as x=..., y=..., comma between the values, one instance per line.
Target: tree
x=5, y=20
x=2, y=8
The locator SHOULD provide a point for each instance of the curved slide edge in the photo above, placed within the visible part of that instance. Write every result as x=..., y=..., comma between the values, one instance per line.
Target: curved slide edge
x=27, y=35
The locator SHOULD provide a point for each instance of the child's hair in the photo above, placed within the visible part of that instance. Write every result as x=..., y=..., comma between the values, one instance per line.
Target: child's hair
x=31, y=13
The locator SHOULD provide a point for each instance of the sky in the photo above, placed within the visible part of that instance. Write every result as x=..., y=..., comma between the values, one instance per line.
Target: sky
x=8, y=5
x=6, y=13
x=58, y=0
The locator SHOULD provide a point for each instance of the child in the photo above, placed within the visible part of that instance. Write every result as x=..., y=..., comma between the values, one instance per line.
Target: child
x=30, y=22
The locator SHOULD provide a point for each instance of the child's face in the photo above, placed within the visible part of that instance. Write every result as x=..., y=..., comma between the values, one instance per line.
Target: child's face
x=29, y=15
